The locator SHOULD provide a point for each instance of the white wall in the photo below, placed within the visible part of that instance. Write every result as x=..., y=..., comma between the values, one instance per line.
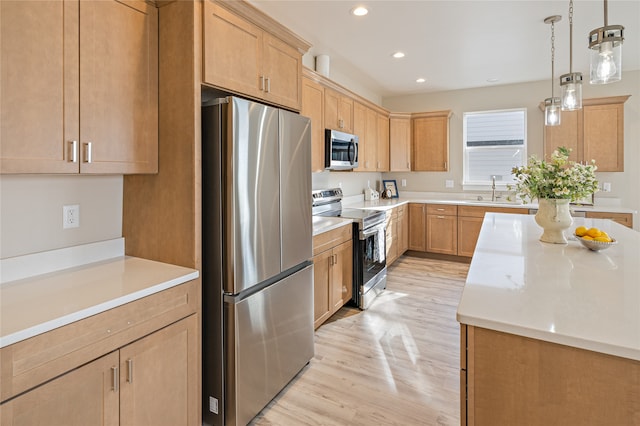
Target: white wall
x=528, y=95
x=31, y=211
x=352, y=183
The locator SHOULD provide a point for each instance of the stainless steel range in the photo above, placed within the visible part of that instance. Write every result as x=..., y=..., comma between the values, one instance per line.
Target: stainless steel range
x=369, y=244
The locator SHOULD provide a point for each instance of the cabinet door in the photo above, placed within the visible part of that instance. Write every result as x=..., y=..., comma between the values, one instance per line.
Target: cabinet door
x=567, y=134
x=392, y=239
x=341, y=275
x=431, y=144
x=468, y=232
x=442, y=234
x=400, y=144
x=321, y=288
x=383, y=143
x=232, y=51
x=604, y=136
x=282, y=69
x=345, y=112
x=331, y=112
x=625, y=219
x=417, y=227
x=39, y=86
x=359, y=129
x=84, y=396
x=118, y=87
x=159, y=379
x=371, y=135
x=312, y=107
x=403, y=234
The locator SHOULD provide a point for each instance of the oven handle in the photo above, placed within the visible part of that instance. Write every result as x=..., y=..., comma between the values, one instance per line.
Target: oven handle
x=371, y=231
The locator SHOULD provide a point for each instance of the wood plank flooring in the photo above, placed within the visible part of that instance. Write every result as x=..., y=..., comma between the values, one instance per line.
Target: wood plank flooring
x=397, y=363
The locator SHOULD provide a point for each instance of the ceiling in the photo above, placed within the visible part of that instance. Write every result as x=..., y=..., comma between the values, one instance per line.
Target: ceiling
x=452, y=44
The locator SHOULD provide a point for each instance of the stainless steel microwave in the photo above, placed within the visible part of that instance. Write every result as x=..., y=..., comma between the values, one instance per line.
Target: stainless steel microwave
x=340, y=150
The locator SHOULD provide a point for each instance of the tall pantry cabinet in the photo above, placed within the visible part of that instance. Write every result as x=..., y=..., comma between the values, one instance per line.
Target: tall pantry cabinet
x=79, y=87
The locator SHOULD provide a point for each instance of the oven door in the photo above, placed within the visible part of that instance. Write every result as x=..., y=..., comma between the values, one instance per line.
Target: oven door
x=372, y=246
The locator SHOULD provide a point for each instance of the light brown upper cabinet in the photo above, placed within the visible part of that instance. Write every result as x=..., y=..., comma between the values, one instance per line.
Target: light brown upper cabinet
x=594, y=132
x=431, y=141
x=382, y=164
x=79, y=87
x=360, y=129
x=400, y=142
x=338, y=111
x=312, y=107
x=241, y=57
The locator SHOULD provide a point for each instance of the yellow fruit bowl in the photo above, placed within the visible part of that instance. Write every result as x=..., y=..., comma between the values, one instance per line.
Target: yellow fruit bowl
x=596, y=245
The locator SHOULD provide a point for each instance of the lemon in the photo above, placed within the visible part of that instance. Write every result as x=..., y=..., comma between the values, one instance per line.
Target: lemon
x=602, y=239
x=605, y=235
x=586, y=237
x=581, y=230
x=594, y=232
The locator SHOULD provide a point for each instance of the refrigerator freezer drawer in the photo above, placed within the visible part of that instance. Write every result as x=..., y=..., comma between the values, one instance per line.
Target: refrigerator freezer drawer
x=269, y=340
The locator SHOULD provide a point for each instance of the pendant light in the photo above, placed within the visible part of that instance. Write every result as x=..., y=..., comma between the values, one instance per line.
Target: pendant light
x=552, y=104
x=606, y=51
x=571, y=83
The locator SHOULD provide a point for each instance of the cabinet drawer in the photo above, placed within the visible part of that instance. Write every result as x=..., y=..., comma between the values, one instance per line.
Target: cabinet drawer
x=479, y=211
x=28, y=363
x=442, y=209
x=625, y=219
x=329, y=239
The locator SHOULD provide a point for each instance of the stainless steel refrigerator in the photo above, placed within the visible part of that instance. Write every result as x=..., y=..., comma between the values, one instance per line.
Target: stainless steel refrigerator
x=257, y=246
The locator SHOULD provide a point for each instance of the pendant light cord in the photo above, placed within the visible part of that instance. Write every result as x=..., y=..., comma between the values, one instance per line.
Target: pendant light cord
x=571, y=36
x=553, y=51
x=606, y=13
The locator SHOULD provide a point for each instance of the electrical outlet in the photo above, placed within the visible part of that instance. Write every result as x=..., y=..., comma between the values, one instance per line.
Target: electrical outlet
x=448, y=183
x=404, y=182
x=606, y=186
x=71, y=216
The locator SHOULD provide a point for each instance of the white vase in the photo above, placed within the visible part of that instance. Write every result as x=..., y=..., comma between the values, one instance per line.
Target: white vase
x=554, y=217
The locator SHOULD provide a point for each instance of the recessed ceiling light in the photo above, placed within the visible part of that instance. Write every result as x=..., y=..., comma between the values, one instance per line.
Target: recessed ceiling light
x=493, y=80
x=359, y=11
x=420, y=80
x=398, y=55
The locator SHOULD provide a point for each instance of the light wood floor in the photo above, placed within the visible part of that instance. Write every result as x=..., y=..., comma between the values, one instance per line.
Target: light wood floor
x=397, y=363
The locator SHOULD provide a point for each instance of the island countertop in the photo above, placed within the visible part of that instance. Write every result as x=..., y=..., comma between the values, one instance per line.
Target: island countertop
x=560, y=293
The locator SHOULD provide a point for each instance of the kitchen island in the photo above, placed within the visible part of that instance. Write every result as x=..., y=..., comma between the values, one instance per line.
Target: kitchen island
x=550, y=334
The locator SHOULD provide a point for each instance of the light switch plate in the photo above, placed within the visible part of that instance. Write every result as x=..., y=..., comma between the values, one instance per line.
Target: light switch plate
x=448, y=183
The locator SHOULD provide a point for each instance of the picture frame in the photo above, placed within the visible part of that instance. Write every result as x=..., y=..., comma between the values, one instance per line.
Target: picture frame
x=391, y=184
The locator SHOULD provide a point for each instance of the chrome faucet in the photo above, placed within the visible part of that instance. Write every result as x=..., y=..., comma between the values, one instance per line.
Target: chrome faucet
x=493, y=188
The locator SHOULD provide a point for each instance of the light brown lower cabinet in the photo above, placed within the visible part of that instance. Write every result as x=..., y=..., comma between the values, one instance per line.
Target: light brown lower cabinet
x=81, y=397
x=151, y=381
x=513, y=380
x=403, y=229
x=417, y=227
x=470, y=221
x=625, y=219
x=442, y=229
x=136, y=364
x=332, y=272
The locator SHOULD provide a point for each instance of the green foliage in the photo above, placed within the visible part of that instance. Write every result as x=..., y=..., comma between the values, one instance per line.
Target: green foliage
x=559, y=178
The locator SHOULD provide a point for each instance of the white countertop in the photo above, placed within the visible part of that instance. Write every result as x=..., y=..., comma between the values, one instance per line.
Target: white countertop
x=37, y=304
x=385, y=204
x=564, y=294
x=323, y=224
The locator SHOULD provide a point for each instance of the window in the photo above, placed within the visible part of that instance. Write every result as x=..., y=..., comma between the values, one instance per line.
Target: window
x=494, y=143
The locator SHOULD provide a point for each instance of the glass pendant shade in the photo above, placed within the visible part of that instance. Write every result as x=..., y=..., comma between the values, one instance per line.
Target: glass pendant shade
x=571, y=86
x=552, y=112
x=606, y=55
